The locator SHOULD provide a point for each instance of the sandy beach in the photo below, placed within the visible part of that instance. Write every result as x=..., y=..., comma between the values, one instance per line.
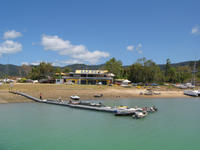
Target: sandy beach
x=86, y=92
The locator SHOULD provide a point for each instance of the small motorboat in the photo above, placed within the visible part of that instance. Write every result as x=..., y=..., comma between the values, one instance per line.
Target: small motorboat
x=75, y=97
x=148, y=93
x=150, y=109
x=98, y=95
x=139, y=114
x=86, y=103
x=74, y=102
x=122, y=107
x=156, y=93
x=125, y=112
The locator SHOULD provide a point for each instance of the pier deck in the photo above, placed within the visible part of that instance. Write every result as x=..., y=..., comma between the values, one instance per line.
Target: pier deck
x=55, y=102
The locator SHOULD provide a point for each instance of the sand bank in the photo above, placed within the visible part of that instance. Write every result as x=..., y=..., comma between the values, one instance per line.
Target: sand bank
x=86, y=92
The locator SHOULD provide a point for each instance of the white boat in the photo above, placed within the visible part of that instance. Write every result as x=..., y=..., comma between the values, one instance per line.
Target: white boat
x=139, y=115
x=75, y=97
x=194, y=93
x=125, y=112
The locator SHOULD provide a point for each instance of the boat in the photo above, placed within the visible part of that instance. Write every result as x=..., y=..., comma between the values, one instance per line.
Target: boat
x=194, y=93
x=98, y=95
x=86, y=103
x=139, y=114
x=152, y=109
x=122, y=107
x=125, y=112
x=148, y=92
x=75, y=97
x=74, y=102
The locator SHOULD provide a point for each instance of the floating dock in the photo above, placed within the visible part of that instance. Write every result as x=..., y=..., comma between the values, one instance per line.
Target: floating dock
x=63, y=103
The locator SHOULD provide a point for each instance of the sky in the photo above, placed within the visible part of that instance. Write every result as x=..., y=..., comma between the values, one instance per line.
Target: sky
x=65, y=32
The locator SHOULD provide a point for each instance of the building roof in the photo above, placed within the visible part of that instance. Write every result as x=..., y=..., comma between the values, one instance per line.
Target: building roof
x=91, y=71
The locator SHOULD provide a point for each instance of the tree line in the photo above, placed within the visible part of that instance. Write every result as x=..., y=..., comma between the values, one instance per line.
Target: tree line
x=143, y=70
x=147, y=71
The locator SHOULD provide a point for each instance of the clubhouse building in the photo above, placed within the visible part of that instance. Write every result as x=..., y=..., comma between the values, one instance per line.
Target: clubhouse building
x=86, y=77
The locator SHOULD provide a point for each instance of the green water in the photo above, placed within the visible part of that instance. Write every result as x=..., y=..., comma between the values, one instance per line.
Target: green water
x=34, y=126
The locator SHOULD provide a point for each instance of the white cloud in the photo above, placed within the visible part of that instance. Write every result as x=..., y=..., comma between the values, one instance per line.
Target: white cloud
x=10, y=47
x=11, y=34
x=32, y=63
x=67, y=62
x=195, y=30
x=25, y=63
x=130, y=48
x=137, y=48
x=78, y=52
x=35, y=63
x=54, y=43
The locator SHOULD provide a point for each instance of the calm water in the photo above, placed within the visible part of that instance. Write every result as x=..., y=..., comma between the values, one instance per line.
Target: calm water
x=33, y=126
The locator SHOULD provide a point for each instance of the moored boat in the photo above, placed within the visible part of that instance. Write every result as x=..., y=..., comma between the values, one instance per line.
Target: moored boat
x=91, y=104
x=125, y=112
x=75, y=97
x=139, y=114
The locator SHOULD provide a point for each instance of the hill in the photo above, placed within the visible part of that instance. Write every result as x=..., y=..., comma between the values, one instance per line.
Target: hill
x=20, y=71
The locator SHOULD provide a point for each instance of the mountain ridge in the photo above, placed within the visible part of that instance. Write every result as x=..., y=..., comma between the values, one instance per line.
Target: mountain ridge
x=15, y=70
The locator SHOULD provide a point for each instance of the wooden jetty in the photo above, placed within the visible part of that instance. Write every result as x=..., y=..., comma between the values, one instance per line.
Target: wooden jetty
x=63, y=103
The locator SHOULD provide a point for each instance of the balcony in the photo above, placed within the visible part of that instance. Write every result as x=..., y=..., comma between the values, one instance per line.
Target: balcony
x=90, y=78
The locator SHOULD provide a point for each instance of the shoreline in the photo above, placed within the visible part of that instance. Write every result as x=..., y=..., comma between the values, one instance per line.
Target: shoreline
x=86, y=92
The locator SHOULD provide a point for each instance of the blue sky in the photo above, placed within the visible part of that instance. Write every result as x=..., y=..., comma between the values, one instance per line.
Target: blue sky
x=93, y=31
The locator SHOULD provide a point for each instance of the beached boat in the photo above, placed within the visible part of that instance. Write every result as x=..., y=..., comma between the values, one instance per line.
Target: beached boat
x=75, y=97
x=194, y=93
x=98, y=95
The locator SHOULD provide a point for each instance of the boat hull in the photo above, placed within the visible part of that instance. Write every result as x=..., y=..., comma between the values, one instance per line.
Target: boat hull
x=192, y=93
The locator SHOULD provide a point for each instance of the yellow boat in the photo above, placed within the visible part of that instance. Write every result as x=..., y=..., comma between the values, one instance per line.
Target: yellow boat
x=122, y=107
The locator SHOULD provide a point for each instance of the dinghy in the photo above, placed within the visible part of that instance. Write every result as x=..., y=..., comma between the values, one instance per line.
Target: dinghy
x=75, y=97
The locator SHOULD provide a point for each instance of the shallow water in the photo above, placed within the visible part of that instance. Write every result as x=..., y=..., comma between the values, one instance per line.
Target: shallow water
x=35, y=126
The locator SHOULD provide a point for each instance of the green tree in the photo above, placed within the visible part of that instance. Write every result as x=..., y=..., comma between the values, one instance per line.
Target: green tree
x=114, y=66
x=167, y=68
x=43, y=70
x=183, y=73
x=145, y=71
x=66, y=70
x=172, y=75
